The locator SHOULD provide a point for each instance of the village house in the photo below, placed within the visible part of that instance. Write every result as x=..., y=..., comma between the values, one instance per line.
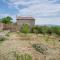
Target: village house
x=25, y=20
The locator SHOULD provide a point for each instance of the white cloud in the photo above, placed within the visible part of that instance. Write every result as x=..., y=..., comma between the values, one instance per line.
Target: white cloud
x=36, y=8
x=40, y=10
x=52, y=21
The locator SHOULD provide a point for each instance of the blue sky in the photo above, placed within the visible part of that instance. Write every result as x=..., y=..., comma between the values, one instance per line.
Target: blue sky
x=44, y=11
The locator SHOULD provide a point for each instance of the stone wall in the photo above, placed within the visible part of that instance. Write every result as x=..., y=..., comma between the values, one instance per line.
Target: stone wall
x=10, y=27
x=1, y=26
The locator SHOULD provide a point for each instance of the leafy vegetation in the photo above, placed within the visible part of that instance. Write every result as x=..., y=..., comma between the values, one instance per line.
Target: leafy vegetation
x=6, y=20
x=8, y=34
x=2, y=39
x=56, y=29
x=23, y=56
x=25, y=28
x=13, y=55
x=46, y=29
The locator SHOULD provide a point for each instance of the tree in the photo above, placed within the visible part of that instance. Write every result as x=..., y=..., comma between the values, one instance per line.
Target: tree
x=6, y=20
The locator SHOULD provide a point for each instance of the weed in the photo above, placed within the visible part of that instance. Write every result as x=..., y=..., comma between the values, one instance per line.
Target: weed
x=22, y=56
x=2, y=39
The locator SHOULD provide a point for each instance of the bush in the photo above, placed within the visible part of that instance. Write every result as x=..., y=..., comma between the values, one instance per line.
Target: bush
x=40, y=48
x=8, y=34
x=2, y=38
x=56, y=29
x=46, y=29
x=25, y=28
x=49, y=30
x=34, y=29
x=40, y=29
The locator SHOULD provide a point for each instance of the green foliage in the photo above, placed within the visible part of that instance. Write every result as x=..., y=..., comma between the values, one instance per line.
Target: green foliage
x=13, y=55
x=49, y=30
x=2, y=39
x=40, y=48
x=56, y=29
x=46, y=29
x=43, y=29
x=22, y=56
x=40, y=29
x=8, y=34
x=25, y=57
x=6, y=20
x=25, y=28
x=35, y=29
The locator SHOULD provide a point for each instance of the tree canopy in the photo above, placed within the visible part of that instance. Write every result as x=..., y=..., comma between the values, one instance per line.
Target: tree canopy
x=6, y=20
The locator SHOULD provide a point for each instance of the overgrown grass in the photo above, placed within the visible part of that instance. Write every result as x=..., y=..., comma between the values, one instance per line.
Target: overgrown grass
x=23, y=57
x=13, y=55
x=8, y=34
x=1, y=30
x=2, y=39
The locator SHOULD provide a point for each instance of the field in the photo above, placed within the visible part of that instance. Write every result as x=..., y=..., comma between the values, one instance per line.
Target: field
x=20, y=46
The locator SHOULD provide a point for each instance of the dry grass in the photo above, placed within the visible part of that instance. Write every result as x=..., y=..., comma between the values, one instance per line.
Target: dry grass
x=22, y=43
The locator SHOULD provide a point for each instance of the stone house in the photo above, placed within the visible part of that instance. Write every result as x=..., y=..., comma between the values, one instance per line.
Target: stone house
x=25, y=20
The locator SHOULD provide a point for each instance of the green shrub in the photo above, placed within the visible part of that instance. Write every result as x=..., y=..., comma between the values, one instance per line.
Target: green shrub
x=25, y=28
x=40, y=48
x=49, y=30
x=25, y=57
x=34, y=29
x=46, y=29
x=2, y=39
x=56, y=29
x=22, y=56
x=40, y=29
x=8, y=34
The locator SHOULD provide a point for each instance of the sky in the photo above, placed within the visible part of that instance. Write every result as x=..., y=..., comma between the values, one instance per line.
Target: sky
x=44, y=11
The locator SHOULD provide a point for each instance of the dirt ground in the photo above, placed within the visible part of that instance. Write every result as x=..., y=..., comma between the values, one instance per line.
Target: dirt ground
x=22, y=43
